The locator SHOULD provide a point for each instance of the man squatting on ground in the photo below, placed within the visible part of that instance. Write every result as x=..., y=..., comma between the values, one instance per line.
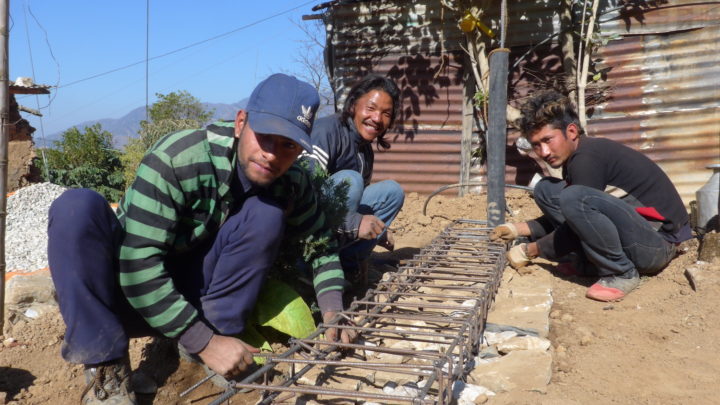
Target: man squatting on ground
x=616, y=239
x=193, y=239
x=342, y=148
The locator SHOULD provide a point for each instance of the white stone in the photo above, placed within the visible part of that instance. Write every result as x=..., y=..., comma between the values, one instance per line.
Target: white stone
x=493, y=338
x=522, y=370
x=32, y=313
x=405, y=390
x=31, y=288
x=466, y=394
x=524, y=343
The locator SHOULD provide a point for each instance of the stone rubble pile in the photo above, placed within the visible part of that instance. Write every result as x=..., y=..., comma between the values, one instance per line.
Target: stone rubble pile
x=26, y=226
x=29, y=292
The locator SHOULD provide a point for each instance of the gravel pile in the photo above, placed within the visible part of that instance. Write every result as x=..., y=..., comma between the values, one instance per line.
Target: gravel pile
x=26, y=226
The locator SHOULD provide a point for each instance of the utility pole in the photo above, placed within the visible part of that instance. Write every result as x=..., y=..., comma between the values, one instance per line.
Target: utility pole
x=4, y=137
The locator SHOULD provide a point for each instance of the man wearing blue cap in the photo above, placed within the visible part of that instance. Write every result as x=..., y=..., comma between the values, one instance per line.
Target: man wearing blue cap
x=192, y=241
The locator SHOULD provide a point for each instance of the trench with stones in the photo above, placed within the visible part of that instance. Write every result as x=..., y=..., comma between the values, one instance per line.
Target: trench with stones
x=420, y=329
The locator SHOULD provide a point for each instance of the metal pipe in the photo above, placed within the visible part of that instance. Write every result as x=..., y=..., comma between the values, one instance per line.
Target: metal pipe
x=497, y=135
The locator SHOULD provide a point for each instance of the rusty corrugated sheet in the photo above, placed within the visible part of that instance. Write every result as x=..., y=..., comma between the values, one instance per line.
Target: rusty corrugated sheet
x=404, y=41
x=530, y=22
x=666, y=98
x=659, y=17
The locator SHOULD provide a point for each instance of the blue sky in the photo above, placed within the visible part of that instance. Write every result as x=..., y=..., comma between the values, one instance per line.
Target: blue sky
x=67, y=41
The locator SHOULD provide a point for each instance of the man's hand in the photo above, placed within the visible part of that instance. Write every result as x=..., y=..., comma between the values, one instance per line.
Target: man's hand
x=387, y=241
x=227, y=355
x=370, y=227
x=518, y=256
x=506, y=232
x=331, y=334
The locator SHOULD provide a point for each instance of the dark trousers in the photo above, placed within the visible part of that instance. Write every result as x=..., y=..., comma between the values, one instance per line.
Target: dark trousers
x=606, y=233
x=222, y=277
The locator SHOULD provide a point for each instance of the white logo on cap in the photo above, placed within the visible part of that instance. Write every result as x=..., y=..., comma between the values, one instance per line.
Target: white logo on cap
x=306, y=116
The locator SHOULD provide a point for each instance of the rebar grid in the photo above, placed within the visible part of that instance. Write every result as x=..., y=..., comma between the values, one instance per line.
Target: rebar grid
x=421, y=325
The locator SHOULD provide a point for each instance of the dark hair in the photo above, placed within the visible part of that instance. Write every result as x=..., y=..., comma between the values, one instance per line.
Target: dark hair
x=364, y=86
x=548, y=107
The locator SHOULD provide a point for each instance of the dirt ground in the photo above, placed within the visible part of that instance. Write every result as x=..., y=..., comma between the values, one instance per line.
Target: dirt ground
x=658, y=346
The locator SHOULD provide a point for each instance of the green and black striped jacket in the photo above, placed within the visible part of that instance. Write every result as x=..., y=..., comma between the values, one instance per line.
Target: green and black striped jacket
x=180, y=197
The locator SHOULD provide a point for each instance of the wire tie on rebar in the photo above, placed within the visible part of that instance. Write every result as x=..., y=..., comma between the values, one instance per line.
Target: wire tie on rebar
x=307, y=347
x=347, y=318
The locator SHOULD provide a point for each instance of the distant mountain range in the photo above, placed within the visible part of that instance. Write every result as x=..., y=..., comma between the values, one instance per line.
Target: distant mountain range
x=127, y=126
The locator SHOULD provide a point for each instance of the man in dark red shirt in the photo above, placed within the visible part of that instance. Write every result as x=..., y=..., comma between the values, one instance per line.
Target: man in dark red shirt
x=614, y=238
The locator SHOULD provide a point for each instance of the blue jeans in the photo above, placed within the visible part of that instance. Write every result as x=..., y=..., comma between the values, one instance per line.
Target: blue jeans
x=383, y=199
x=603, y=230
x=221, y=277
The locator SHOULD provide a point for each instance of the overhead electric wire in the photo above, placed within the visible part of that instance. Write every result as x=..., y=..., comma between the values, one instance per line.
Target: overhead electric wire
x=50, y=51
x=46, y=164
x=147, y=58
x=186, y=46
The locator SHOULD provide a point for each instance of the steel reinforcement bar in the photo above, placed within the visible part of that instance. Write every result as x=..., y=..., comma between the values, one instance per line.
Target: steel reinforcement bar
x=419, y=329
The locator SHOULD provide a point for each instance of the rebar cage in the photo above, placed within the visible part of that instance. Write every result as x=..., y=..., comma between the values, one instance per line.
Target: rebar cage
x=419, y=330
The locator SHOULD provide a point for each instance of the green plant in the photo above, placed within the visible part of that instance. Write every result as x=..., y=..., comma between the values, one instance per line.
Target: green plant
x=171, y=113
x=479, y=100
x=294, y=262
x=84, y=159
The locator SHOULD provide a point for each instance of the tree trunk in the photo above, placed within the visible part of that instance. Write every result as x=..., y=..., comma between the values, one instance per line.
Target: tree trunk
x=567, y=44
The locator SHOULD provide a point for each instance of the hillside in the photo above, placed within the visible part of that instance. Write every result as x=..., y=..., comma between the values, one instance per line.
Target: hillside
x=128, y=125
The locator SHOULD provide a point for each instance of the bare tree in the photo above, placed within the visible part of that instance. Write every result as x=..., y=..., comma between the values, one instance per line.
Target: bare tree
x=309, y=56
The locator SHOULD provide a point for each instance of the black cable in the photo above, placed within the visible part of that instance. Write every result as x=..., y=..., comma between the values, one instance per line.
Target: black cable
x=443, y=188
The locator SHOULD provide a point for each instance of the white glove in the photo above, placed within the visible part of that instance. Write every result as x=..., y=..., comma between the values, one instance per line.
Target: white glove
x=506, y=232
x=517, y=256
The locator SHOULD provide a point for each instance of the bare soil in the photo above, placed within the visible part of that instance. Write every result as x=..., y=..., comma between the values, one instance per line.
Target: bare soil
x=658, y=346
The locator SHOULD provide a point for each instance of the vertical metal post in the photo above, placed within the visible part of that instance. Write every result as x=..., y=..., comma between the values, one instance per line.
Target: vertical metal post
x=4, y=136
x=497, y=134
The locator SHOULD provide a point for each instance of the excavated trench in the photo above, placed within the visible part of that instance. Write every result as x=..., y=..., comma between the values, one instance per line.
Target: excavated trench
x=420, y=329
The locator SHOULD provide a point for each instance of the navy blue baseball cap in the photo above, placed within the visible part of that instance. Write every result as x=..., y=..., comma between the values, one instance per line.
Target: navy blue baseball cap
x=283, y=105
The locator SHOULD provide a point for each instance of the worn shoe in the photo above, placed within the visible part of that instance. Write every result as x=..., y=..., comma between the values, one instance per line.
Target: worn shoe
x=108, y=384
x=612, y=288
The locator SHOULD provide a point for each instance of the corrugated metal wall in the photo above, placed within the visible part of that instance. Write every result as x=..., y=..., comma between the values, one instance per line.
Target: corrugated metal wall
x=663, y=74
x=666, y=102
x=407, y=43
